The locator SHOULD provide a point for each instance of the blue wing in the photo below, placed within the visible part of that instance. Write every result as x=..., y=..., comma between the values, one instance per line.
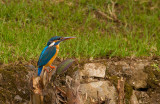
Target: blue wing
x=46, y=55
x=43, y=51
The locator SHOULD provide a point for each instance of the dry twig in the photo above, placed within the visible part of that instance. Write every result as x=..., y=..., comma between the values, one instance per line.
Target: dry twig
x=120, y=88
x=111, y=14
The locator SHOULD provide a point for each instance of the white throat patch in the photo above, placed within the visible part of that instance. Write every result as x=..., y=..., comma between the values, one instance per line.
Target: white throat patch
x=52, y=44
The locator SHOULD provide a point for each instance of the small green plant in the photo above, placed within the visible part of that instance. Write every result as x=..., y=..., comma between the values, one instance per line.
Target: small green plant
x=156, y=67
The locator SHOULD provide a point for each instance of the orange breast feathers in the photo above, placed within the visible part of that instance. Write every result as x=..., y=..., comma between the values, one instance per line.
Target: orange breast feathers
x=53, y=58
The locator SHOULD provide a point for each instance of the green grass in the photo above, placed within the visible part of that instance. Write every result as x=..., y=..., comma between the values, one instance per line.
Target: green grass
x=27, y=25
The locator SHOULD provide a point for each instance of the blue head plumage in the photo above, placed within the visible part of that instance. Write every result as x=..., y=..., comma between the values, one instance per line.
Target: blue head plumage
x=53, y=39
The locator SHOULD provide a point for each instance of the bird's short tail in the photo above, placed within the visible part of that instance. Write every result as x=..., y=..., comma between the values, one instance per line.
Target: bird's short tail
x=40, y=70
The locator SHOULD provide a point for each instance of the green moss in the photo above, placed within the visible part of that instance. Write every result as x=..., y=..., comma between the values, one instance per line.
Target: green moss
x=128, y=92
x=153, y=77
x=127, y=88
x=114, y=79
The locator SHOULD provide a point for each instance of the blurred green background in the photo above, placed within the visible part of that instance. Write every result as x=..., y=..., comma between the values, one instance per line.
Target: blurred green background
x=102, y=27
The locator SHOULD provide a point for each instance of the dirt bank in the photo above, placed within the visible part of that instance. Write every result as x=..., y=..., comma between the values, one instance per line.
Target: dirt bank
x=142, y=79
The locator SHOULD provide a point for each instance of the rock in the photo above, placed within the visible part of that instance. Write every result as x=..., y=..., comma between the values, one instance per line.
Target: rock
x=119, y=68
x=7, y=102
x=31, y=67
x=143, y=97
x=134, y=98
x=155, y=97
x=25, y=102
x=32, y=71
x=104, y=88
x=134, y=71
x=17, y=98
x=94, y=70
x=138, y=78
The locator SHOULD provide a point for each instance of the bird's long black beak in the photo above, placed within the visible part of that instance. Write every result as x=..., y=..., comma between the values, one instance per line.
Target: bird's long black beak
x=67, y=38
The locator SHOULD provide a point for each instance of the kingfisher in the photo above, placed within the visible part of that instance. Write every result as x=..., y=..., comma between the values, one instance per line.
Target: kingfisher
x=50, y=52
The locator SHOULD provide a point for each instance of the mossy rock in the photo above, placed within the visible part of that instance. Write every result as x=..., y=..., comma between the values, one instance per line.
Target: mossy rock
x=128, y=89
x=153, y=77
x=114, y=79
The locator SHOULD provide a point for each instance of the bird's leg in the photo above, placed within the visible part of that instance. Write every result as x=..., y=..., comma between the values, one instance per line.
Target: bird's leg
x=46, y=69
x=52, y=67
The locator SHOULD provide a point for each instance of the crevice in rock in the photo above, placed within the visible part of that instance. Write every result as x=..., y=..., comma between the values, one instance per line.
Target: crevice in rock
x=93, y=77
x=141, y=89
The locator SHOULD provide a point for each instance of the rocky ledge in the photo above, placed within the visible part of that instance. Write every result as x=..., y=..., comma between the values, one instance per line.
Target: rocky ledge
x=98, y=81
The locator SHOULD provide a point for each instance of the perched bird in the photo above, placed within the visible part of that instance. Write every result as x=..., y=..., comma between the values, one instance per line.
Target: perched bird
x=50, y=52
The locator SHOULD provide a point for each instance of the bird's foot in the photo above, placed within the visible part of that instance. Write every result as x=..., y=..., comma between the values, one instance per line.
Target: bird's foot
x=52, y=67
x=46, y=70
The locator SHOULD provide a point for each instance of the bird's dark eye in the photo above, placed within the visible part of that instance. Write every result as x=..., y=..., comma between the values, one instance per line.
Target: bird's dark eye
x=59, y=38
